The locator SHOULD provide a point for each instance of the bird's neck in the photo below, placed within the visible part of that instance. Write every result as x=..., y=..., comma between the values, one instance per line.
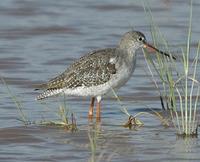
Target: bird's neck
x=129, y=53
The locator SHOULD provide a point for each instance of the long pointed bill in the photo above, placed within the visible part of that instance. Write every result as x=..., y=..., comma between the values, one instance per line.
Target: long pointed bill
x=153, y=49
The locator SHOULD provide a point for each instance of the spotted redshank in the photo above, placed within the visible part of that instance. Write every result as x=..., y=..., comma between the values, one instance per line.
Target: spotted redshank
x=96, y=73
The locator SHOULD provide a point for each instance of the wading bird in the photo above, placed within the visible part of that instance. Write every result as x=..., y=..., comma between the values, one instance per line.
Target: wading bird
x=99, y=71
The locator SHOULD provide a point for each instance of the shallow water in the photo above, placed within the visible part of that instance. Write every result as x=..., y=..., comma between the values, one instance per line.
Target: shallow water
x=39, y=39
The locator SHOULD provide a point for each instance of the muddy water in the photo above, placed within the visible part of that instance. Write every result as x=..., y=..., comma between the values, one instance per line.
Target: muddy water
x=39, y=39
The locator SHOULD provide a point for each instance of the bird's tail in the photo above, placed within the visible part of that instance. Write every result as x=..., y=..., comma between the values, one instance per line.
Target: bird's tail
x=40, y=86
x=48, y=93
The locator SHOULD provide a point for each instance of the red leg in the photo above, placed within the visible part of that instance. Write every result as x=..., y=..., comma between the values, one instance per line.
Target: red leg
x=98, y=110
x=91, y=108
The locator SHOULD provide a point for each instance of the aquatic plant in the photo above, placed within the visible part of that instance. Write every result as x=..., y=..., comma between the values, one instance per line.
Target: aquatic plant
x=179, y=88
x=134, y=121
x=63, y=121
x=23, y=117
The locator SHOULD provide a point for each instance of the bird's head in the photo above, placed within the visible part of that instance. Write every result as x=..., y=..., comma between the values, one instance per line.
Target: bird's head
x=134, y=40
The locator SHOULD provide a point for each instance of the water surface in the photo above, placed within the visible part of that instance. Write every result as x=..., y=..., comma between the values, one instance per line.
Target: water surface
x=40, y=38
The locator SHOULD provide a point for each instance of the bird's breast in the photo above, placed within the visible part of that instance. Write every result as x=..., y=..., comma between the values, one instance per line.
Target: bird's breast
x=125, y=68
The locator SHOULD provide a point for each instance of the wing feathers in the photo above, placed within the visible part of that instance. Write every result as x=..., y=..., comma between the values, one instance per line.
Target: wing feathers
x=93, y=69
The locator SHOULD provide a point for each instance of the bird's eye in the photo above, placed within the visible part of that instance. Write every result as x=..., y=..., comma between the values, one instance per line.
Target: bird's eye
x=141, y=38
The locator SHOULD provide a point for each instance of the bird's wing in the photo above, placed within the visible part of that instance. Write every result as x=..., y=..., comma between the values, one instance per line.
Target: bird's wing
x=93, y=69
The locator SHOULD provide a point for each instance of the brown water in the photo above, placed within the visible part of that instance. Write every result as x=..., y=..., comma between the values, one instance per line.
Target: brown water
x=39, y=38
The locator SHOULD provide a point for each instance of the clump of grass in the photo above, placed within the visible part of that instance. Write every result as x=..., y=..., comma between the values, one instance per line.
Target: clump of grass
x=63, y=122
x=66, y=119
x=134, y=121
x=179, y=88
x=23, y=117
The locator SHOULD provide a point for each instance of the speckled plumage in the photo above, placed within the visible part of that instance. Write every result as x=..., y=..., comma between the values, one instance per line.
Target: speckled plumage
x=98, y=71
x=90, y=70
